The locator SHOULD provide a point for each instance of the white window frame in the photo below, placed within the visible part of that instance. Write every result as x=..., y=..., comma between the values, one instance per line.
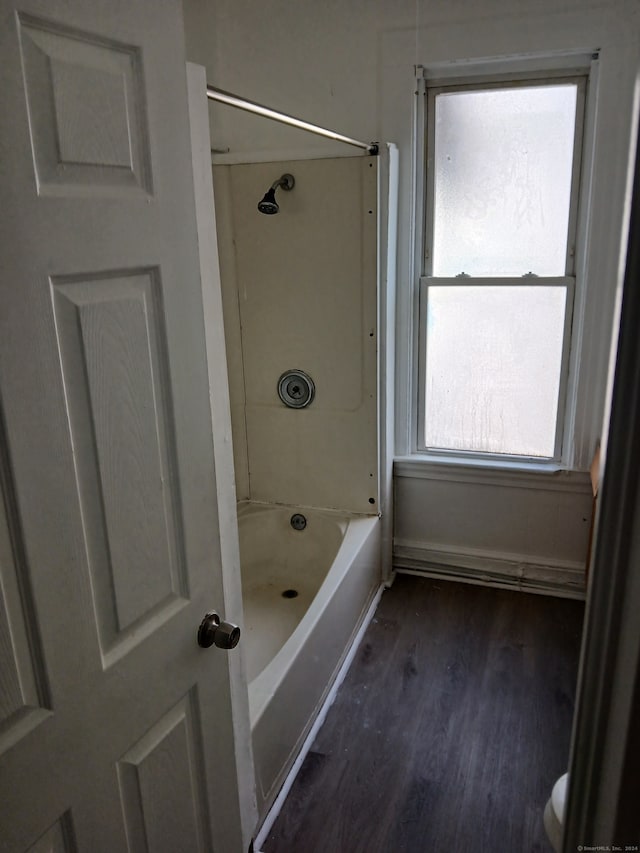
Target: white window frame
x=425, y=123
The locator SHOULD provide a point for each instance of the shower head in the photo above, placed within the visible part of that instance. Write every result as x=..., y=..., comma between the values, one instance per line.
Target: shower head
x=269, y=204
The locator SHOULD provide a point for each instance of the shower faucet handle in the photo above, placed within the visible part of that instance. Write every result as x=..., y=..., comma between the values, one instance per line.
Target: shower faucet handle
x=214, y=632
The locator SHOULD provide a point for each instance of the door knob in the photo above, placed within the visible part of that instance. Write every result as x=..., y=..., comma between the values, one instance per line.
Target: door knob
x=214, y=632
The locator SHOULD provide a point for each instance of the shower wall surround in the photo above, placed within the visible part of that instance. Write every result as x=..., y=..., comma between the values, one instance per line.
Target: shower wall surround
x=300, y=292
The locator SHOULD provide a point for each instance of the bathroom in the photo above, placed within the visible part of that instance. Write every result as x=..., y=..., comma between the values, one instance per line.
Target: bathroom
x=212, y=415
x=355, y=72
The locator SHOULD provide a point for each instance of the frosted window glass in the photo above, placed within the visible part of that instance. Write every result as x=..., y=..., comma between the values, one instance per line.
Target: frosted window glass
x=502, y=164
x=493, y=361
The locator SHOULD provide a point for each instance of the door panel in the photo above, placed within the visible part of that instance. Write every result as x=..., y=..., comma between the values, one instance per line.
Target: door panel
x=57, y=839
x=85, y=102
x=23, y=695
x=145, y=787
x=109, y=470
x=113, y=355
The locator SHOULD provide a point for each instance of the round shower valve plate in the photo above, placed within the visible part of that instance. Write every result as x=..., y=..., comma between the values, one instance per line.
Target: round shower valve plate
x=296, y=389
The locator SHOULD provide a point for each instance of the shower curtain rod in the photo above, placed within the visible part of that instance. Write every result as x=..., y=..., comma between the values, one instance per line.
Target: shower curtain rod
x=251, y=107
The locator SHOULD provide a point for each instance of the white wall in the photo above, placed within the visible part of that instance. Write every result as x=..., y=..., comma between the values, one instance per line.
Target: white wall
x=350, y=65
x=300, y=293
x=494, y=527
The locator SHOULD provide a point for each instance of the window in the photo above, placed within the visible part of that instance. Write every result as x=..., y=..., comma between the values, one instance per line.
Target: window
x=496, y=294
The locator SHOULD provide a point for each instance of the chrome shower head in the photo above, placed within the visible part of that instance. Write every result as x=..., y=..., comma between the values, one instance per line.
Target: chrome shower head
x=269, y=204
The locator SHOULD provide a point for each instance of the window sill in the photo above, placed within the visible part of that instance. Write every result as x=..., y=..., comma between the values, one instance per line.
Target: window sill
x=548, y=476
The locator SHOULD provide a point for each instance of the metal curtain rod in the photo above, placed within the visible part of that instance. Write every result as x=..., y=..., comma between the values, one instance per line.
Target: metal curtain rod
x=251, y=107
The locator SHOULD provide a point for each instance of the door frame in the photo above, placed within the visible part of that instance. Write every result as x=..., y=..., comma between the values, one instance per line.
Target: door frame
x=221, y=431
x=602, y=805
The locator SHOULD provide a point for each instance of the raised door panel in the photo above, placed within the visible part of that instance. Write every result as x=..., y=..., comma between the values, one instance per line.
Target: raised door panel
x=57, y=839
x=113, y=359
x=85, y=99
x=24, y=702
x=162, y=786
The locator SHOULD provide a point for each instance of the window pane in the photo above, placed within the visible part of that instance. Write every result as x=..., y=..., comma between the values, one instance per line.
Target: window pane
x=503, y=162
x=493, y=364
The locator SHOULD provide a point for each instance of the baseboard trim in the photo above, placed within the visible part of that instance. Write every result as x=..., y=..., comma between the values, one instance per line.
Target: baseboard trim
x=564, y=579
x=278, y=803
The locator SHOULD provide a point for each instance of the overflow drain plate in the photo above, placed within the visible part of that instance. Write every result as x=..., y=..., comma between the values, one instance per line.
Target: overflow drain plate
x=296, y=389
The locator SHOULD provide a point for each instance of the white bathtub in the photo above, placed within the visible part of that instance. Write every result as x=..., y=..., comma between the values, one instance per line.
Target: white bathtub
x=294, y=645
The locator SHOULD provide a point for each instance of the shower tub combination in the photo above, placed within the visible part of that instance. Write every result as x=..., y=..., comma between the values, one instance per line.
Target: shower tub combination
x=308, y=579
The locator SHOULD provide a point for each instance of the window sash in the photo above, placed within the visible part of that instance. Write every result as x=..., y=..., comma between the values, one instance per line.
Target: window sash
x=580, y=81
x=568, y=283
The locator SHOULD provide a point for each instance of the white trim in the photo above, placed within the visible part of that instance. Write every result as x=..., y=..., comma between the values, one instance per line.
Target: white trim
x=220, y=409
x=278, y=803
x=493, y=583
x=238, y=158
x=497, y=281
x=491, y=568
x=543, y=65
x=549, y=478
x=602, y=799
x=388, y=162
x=580, y=356
x=408, y=320
x=582, y=84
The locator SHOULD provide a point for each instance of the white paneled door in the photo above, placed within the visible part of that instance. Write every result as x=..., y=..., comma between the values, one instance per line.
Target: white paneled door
x=116, y=728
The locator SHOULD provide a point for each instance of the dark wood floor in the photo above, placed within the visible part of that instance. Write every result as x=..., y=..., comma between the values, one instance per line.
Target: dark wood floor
x=449, y=730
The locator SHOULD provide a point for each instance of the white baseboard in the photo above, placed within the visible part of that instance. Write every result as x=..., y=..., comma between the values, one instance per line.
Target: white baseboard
x=565, y=579
x=274, y=811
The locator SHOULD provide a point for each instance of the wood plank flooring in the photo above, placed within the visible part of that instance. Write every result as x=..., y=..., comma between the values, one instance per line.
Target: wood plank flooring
x=449, y=730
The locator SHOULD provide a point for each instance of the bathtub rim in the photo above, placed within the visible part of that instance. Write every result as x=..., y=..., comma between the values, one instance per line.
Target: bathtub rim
x=358, y=528
x=246, y=506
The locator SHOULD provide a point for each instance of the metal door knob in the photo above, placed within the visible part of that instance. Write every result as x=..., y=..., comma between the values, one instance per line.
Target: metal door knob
x=214, y=632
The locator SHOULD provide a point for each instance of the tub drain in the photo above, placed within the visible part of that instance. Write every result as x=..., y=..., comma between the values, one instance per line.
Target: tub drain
x=290, y=593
